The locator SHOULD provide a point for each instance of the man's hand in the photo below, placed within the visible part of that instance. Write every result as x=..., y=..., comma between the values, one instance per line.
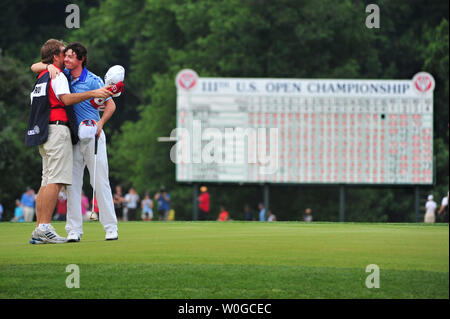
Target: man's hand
x=99, y=103
x=99, y=128
x=102, y=92
x=53, y=71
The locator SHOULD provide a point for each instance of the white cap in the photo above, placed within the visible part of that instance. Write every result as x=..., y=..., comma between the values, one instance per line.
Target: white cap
x=115, y=75
x=87, y=130
x=430, y=197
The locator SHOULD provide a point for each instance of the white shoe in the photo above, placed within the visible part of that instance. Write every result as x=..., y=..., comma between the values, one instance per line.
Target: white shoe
x=112, y=235
x=73, y=237
x=50, y=236
x=35, y=239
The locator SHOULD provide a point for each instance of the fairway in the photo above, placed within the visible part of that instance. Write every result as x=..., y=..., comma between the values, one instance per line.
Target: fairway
x=230, y=260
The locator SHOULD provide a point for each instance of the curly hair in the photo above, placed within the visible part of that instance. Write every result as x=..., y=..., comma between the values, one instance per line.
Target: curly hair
x=80, y=50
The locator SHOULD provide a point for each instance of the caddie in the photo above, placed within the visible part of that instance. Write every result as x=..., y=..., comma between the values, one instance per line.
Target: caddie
x=82, y=80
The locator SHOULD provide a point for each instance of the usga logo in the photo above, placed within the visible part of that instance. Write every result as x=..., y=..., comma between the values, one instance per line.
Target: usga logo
x=34, y=131
x=423, y=82
x=186, y=79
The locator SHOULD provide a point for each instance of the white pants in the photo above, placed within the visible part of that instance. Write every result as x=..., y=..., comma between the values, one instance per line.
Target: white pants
x=28, y=213
x=430, y=217
x=83, y=155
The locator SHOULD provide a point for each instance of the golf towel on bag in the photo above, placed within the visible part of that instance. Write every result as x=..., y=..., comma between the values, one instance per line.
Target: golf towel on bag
x=87, y=130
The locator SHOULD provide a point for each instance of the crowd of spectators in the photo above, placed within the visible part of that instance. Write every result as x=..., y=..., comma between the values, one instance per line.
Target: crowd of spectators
x=130, y=207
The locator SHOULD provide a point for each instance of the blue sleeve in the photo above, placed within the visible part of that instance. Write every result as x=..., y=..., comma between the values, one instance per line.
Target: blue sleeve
x=97, y=83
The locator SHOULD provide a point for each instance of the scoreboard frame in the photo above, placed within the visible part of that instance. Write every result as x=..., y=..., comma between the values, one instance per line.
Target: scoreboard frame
x=419, y=90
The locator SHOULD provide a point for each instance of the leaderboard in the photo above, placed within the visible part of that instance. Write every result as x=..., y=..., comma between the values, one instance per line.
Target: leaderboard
x=304, y=131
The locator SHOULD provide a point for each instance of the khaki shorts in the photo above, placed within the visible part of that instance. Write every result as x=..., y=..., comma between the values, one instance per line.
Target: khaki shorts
x=57, y=156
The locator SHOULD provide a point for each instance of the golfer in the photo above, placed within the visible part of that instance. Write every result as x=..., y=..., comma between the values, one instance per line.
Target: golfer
x=83, y=80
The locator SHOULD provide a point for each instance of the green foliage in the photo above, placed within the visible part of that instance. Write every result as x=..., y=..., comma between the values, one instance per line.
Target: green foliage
x=436, y=61
x=27, y=24
x=19, y=166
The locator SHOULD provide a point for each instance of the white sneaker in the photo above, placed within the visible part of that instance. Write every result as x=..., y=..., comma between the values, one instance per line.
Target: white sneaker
x=73, y=237
x=35, y=239
x=50, y=236
x=112, y=235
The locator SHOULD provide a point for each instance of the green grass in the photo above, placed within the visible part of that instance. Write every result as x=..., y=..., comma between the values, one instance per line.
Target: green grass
x=230, y=260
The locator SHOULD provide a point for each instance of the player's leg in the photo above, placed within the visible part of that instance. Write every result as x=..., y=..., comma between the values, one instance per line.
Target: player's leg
x=58, y=152
x=74, y=219
x=34, y=237
x=102, y=188
x=39, y=204
x=49, y=200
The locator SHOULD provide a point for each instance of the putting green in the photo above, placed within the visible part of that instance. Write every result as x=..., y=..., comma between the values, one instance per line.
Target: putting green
x=230, y=260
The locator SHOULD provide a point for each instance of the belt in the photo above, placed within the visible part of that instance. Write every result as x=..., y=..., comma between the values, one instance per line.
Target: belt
x=59, y=123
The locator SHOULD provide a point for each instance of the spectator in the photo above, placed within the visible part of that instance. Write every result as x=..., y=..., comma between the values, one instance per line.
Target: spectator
x=308, y=216
x=147, y=208
x=271, y=217
x=203, y=204
x=163, y=199
x=118, y=202
x=262, y=212
x=1, y=211
x=443, y=210
x=28, y=204
x=61, y=207
x=131, y=201
x=18, y=213
x=248, y=213
x=84, y=206
x=223, y=215
x=430, y=208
